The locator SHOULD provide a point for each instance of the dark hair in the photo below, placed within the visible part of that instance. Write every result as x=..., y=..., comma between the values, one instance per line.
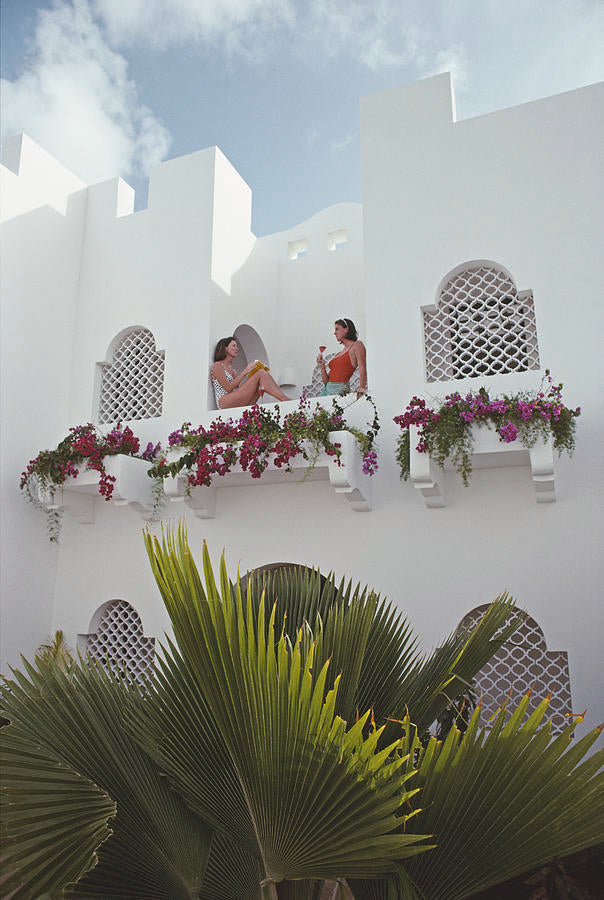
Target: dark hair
x=348, y=324
x=220, y=351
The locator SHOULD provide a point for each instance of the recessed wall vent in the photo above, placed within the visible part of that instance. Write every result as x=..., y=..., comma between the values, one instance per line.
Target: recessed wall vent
x=297, y=249
x=337, y=239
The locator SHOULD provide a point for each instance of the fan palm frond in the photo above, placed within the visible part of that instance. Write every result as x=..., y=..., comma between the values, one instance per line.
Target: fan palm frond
x=54, y=820
x=323, y=800
x=158, y=848
x=504, y=801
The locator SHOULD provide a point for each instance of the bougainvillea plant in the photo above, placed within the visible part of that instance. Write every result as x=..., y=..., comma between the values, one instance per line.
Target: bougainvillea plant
x=84, y=447
x=260, y=436
x=253, y=440
x=446, y=432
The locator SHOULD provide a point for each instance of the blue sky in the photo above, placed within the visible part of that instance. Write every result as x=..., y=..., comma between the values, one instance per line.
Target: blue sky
x=114, y=86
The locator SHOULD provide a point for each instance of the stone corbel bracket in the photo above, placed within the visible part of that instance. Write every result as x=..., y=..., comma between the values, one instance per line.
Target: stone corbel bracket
x=202, y=500
x=426, y=476
x=78, y=505
x=542, y=470
x=348, y=478
x=132, y=487
x=489, y=452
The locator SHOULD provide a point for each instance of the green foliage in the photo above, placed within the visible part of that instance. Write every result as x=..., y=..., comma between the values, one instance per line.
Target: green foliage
x=258, y=685
x=259, y=436
x=283, y=740
x=55, y=818
x=157, y=848
x=446, y=432
x=517, y=797
x=55, y=651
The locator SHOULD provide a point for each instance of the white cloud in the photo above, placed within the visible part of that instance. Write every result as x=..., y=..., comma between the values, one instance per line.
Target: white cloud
x=241, y=25
x=454, y=60
x=381, y=34
x=312, y=135
x=74, y=98
x=337, y=146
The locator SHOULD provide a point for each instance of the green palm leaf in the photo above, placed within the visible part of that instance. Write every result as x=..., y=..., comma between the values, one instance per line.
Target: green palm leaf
x=177, y=729
x=431, y=684
x=323, y=801
x=503, y=802
x=373, y=646
x=373, y=654
x=231, y=873
x=53, y=819
x=298, y=594
x=158, y=848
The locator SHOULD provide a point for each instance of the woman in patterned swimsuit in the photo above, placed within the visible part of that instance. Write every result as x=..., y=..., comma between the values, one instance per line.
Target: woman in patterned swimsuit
x=342, y=366
x=236, y=389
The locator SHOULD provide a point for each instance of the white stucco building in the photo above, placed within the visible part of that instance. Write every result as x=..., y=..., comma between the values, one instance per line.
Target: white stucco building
x=514, y=196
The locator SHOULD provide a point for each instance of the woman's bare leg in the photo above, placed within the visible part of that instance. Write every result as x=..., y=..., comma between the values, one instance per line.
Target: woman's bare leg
x=249, y=392
x=268, y=384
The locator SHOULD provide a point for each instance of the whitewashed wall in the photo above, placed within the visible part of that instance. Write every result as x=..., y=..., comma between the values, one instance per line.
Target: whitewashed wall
x=518, y=187
x=44, y=207
x=522, y=187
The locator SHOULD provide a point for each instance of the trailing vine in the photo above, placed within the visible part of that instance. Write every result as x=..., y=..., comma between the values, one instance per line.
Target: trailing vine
x=84, y=447
x=446, y=432
x=261, y=436
x=258, y=437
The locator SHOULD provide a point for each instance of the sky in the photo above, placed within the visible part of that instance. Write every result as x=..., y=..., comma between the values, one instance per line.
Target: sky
x=112, y=87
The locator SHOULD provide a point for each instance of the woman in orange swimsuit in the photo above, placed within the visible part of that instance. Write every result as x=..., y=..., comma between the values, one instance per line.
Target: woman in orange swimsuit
x=230, y=388
x=342, y=366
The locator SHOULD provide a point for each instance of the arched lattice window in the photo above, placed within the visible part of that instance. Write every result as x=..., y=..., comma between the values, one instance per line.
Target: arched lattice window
x=481, y=326
x=119, y=638
x=132, y=385
x=524, y=663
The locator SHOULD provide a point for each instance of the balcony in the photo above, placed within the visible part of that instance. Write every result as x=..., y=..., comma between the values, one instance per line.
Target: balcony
x=489, y=452
x=77, y=496
x=133, y=487
x=346, y=479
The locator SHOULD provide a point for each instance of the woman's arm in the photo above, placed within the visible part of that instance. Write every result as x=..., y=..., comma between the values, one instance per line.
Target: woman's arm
x=359, y=356
x=323, y=370
x=218, y=372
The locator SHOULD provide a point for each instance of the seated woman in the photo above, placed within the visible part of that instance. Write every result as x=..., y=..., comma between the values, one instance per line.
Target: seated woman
x=232, y=389
x=342, y=366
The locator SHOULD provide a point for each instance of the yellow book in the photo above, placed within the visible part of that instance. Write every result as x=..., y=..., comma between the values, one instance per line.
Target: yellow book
x=258, y=365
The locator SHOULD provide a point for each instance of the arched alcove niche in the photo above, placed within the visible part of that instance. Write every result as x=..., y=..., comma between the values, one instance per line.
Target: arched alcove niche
x=251, y=347
x=524, y=663
x=479, y=325
x=116, y=634
x=130, y=381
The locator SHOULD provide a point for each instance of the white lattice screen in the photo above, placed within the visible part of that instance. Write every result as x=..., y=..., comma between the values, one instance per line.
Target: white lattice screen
x=133, y=384
x=316, y=385
x=482, y=326
x=524, y=663
x=120, y=639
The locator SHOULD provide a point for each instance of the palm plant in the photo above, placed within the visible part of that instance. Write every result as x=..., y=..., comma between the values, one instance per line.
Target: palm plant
x=56, y=649
x=281, y=749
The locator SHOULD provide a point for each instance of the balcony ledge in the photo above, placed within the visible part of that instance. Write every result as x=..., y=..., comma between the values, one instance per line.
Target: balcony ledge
x=134, y=488
x=346, y=478
x=489, y=452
